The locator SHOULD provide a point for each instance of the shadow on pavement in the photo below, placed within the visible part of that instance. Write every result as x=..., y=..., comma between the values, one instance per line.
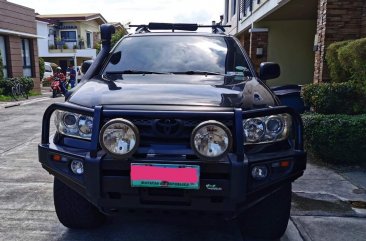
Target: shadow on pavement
x=155, y=226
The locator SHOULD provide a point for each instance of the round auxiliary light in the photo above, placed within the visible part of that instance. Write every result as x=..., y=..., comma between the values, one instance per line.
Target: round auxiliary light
x=211, y=139
x=120, y=138
x=77, y=167
x=254, y=130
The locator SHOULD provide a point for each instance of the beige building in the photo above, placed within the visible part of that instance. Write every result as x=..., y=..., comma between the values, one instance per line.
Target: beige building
x=69, y=39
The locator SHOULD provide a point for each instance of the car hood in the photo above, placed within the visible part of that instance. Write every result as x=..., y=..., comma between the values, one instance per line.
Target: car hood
x=215, y=91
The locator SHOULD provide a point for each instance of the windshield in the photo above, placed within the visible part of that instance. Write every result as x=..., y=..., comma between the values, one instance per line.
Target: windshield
x=176, y=54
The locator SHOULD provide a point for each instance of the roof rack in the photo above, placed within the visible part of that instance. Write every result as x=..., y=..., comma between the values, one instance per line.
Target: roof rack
x=145, y=28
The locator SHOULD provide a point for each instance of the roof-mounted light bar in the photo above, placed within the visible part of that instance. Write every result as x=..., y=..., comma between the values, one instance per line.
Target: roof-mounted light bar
x=216, y=28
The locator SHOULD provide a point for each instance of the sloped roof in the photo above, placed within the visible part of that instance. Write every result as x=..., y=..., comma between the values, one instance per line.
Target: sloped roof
x=118, y=26
x=74, y=17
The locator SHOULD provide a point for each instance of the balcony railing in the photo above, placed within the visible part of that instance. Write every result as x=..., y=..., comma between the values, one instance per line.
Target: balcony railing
x=246, y=7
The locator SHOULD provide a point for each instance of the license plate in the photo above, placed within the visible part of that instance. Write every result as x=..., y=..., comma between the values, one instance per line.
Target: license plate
x=165, y=176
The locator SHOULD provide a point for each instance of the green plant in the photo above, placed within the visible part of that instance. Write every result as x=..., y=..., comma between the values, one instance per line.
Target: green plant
x=65, y=46
x=336, y=69
x=41, y=67
x=75, y=46
x=1, y=67
x=27, y=83
x=336, y=98
x=5, y=85
x=336, y=138
x=352, y=57
x=51, y=46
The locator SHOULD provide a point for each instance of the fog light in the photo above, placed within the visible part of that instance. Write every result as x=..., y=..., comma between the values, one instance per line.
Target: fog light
x=77, y=167
x=259, y=172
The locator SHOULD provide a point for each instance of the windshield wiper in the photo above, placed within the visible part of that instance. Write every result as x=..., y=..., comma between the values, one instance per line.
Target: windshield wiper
x=130, y=71
x=198, y=72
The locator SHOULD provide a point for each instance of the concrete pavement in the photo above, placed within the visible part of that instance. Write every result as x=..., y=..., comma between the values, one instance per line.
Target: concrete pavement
x=322, y=208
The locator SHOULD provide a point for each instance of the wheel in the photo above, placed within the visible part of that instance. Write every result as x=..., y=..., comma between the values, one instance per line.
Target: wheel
x=269, y=218
x=23, y=92
x=54, y=93
x=73, y=210
x=14, y=93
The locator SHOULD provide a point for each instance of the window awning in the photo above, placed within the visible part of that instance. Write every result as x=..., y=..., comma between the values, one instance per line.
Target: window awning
x=21, y=34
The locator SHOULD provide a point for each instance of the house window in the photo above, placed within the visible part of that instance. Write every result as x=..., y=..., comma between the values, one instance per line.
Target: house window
x=3, y=52
x=234, y=8
x=26, y=56
x=89, y=40
x=68, y=36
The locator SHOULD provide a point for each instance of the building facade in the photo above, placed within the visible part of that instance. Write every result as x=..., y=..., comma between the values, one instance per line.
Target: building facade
x=68, y=39
x=18, y=42
x=295, y=33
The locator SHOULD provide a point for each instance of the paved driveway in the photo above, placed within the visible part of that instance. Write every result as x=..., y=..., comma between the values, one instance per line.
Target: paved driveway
x=320, y=209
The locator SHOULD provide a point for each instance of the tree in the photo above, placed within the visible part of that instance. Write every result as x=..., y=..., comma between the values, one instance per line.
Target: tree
x=1, y=67
x=117, y=36
x=41, y=68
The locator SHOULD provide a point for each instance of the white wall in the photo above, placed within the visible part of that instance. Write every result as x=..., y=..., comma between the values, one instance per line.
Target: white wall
x=228, y=15
x=42, y=30
x=259, y=12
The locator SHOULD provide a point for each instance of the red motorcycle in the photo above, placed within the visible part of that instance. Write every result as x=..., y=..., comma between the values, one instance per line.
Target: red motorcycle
x=56, y=87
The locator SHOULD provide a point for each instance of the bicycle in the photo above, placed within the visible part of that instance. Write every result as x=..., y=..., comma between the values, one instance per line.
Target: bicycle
x=18, y=90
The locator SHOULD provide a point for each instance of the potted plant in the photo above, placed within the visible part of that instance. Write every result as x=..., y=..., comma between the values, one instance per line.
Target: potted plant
x=59, y=42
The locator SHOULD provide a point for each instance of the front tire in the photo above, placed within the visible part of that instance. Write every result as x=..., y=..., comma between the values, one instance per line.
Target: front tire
x=14, y=93
x=73, y=210
x=269, y=218
x=54, y=93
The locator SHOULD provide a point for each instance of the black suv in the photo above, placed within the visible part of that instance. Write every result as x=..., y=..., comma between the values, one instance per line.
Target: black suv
x=175, y=120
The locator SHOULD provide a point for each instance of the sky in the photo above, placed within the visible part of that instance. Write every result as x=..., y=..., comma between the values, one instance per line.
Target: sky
x=135, y=11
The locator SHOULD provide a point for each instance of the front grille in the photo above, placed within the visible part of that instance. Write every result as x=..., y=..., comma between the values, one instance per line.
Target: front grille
x=168, y=131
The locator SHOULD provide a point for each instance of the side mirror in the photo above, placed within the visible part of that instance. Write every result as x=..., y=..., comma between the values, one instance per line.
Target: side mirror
x=86, y=65
x=269, y=70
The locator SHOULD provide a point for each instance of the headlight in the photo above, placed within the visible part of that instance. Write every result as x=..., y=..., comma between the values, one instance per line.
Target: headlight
x=120, y=138
x=267, y=129
x=211, y=139
x=72, y=124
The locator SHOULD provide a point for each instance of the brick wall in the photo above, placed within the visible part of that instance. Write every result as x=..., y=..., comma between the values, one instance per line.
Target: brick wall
x=17, y=18
x=337, y=20
x=363, y=27
x=21, y=19
x=244, y=39
x=258, y=40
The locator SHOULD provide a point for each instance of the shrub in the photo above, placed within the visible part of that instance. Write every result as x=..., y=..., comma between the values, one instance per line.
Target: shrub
x=336, y=138
x=336, y=69
x=27, y=83
x=335, y=98
x=352, y=57
x=6, y=84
